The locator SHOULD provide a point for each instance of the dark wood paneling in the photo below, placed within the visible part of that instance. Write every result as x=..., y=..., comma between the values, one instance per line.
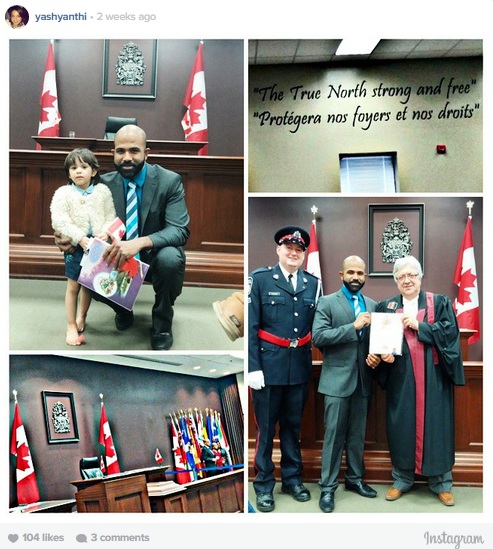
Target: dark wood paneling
x=214, y=195
x=219, y=494
x=124, y=495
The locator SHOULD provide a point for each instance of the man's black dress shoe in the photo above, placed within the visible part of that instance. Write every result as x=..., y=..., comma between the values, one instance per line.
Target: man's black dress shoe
x=361, y=488
x=326, y=502
x=298, y=491
x=161, y=341
x=124, y=320
x=265, y=502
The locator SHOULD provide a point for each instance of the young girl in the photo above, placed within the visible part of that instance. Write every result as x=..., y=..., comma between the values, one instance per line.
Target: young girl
x=79, y=210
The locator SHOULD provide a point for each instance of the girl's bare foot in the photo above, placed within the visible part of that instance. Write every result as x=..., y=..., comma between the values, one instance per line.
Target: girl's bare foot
x=73, y=337
x=81, y=324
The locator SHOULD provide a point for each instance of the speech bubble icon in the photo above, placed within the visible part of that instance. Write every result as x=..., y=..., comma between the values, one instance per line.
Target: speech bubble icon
x=81, y=538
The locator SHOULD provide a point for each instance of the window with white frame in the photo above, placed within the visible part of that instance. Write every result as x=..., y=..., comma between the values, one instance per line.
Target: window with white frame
x=369, y=173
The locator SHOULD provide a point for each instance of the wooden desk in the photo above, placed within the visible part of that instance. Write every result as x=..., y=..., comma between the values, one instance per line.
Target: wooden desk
x=54, y=506
x=167, y=497
x=125, y=495
x=124, y=492
x=105, y=145
x=218, y=494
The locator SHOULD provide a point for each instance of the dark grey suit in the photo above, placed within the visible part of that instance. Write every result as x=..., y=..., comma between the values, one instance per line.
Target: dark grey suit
x=346, y=382
x=163, y=217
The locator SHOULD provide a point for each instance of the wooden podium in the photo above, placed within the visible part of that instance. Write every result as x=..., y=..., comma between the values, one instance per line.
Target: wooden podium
x=119, y=493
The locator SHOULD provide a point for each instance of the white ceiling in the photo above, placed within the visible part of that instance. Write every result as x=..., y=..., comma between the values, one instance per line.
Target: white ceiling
x=268, y=52
x=204, y=365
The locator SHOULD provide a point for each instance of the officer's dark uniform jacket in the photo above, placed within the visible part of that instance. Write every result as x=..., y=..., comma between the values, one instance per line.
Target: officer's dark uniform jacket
x=273, y=306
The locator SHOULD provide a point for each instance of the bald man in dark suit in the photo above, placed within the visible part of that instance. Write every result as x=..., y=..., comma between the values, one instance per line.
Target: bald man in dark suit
x=340, y=330
x=163, y=230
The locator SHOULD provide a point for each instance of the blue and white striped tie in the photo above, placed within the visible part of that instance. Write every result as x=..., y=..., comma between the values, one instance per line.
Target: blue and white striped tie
x=132, y=212
x=357, y=311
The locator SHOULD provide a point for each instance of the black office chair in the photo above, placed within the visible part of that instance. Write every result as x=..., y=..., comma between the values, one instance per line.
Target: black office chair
x=114, y=123
x=90, y=468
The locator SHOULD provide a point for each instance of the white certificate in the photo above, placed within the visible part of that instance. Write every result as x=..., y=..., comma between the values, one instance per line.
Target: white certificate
x=386, y=333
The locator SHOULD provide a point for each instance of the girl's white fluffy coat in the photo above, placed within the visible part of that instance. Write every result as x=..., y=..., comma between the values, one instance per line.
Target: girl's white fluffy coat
x=76, y=215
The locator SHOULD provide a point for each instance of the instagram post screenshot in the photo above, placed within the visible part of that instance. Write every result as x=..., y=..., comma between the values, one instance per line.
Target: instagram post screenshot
x=244, y=291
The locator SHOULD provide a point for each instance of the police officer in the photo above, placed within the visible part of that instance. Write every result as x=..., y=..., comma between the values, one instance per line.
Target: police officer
x=281, y=307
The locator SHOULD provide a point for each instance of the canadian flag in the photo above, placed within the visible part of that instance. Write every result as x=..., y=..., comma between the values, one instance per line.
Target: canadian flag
x=158, y=457
x=466, y=305
x=106, y=440
x=194, y=122
x=312, y=257
x=102, y=466
x=49, y=118
x=183, y=473
x=27, y=486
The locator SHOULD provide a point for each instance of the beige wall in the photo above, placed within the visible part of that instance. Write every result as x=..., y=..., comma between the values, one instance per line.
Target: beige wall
x=287, y=158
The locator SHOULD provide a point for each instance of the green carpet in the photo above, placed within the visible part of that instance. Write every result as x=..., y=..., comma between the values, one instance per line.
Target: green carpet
x=37, y=320
x=419, y=500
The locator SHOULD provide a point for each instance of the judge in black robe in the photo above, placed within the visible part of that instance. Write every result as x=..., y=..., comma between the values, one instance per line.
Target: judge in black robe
x=419, y=385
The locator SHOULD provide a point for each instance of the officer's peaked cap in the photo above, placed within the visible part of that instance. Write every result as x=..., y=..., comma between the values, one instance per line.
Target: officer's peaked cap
x=297, y=235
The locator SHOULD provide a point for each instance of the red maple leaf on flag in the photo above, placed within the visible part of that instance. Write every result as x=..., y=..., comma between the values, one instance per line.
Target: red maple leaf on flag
x=23, y=458
x=47, y=99
x=466, y=287
x=196, y=112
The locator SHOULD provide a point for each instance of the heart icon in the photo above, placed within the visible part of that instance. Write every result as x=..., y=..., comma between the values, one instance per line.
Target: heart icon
x=13, y=537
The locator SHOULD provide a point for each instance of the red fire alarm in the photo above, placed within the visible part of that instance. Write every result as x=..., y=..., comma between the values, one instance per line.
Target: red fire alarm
x=441, y=149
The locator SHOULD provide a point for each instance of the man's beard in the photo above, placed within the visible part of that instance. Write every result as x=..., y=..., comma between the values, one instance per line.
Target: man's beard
x=129, y=173
x=353, y=286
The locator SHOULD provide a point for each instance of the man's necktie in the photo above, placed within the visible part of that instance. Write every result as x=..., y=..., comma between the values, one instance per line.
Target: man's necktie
x=291, y=283
x=357, y=311
x=132, y=212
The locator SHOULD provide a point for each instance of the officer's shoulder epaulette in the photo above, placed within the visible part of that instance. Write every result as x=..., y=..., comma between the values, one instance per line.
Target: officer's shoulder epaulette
x=261, y=270
x=306, y=273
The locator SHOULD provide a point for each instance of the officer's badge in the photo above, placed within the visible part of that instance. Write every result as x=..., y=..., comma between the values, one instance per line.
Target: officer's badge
x=250, y=283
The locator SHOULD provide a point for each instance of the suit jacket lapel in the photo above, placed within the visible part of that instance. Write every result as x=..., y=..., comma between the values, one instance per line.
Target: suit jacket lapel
x=148, y=192
x=118, y=196
x=346, y=307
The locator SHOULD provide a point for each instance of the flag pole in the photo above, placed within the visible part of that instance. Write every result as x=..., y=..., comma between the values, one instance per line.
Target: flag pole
x=14, y=392
x=469, y=206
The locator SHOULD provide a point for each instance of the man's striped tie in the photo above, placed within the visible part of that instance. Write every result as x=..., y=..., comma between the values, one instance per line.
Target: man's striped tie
x=357, y=311
x=132, y=212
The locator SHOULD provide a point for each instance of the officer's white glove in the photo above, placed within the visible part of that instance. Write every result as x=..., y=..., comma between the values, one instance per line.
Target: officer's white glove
x=256, y=380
